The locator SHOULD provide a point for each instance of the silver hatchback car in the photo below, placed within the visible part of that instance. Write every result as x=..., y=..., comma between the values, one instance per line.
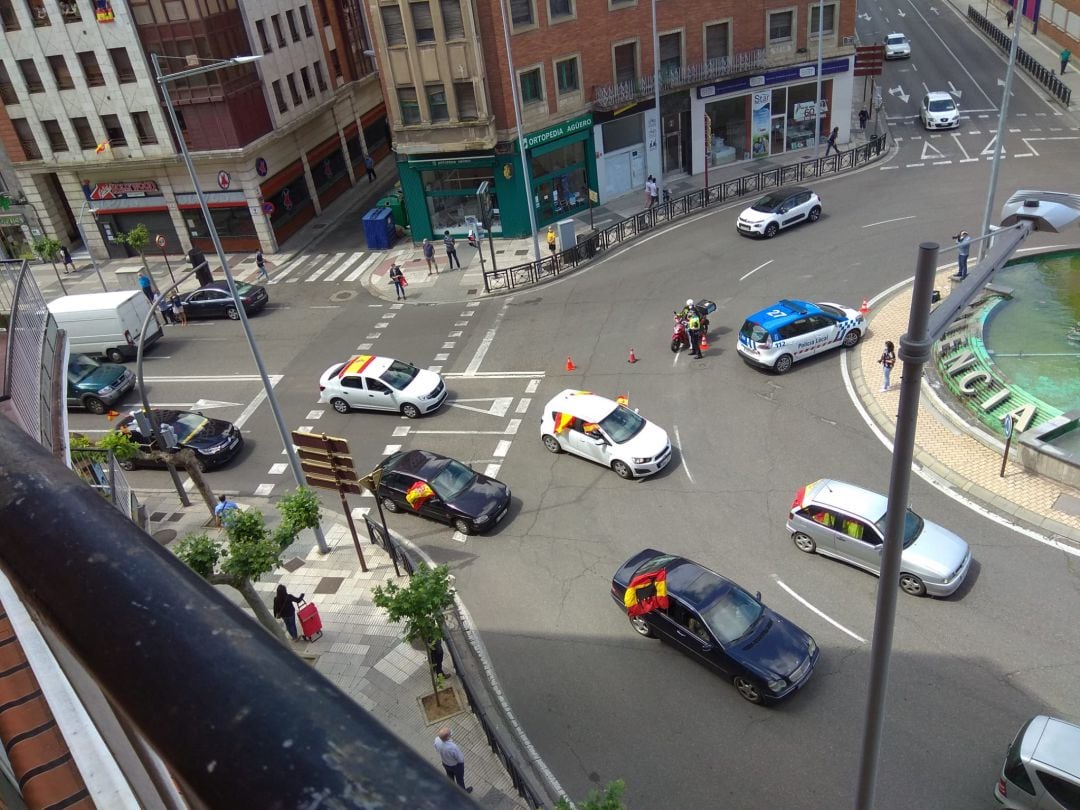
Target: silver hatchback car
x=1042, y=767
x=848, y=523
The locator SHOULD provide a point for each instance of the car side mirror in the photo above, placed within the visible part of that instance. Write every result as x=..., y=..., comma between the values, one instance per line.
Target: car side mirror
x=783, y=210
x=200, y=413
x=757, y=596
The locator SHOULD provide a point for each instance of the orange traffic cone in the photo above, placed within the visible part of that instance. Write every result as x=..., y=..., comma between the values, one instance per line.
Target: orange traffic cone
x=633, y=357
x=570, y=364
x=865, y=308
x=704, y=342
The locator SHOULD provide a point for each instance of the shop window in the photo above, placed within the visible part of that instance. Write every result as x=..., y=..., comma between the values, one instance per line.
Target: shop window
x=781, y=26
x=305, y=21
x=453, y=24
x=55, y=135
x=84, y=133
x=671, y=52
x=320, y=79
x=465, y=96
x=260, y=29
x=392, y=25
x=730, y=125
x=296, y=100
x=422, y=23
x=31, y=76
x=451, y=196
x=26, y=138
x=290, y=18
x=560, y=8
x=436, y=97
x=60, y=72
x=410, y=107
x=7, y=14
x=91, y=69
x=279, y=96
x=144, y=129
x=114, y=133
x=717, y=41
x=532, y=86
x=7, y=89
x=625, y=57
x=305, y=78
x=829, y=19
x=275, y=20
x=566, y=74
x=521, y=13
x=38, y=13
x=559, y=184
x=125, y=73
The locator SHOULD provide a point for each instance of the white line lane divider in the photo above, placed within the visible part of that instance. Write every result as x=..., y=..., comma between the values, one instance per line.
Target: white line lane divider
x=682, y=455
x=820, y=613
x=747, y=275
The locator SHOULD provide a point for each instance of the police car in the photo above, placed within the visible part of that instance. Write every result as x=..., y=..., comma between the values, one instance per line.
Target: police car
x=789, y=331
x=381, y=384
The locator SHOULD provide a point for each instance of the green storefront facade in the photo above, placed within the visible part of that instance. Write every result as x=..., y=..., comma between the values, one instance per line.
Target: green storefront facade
x=440, y=191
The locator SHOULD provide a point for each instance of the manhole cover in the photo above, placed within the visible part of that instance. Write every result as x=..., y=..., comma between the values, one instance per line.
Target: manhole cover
x=343, y=295
x=329, y=584
x=165, y=536
x=293, y=564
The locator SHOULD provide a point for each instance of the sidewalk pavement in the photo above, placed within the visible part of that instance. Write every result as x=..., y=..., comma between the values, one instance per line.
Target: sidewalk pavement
x=360, y=650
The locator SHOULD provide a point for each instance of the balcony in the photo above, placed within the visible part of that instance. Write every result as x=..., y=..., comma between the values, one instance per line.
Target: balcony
x=611, y=96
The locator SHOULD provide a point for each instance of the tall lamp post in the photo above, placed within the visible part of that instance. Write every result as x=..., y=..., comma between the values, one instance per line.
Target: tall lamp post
x=271, y=398
x=86, y=243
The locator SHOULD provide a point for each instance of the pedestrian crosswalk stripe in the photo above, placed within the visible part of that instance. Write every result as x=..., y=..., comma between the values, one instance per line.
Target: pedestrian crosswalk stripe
x=355, y=274
x=344, y=267
x=319, y=260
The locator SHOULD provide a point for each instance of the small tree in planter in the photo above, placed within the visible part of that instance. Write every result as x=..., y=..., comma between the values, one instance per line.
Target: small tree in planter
x=299, y=510
x=48, y=250
x=610, y=799
x=420, y=606
x=137, y=239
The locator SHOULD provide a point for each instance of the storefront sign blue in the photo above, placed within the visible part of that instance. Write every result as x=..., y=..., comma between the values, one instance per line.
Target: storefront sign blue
x=560, y=130
x=774, y=77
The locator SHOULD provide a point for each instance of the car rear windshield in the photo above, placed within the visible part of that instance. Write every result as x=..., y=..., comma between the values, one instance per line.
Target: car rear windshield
x=913, y=526
x=399, y=375
x=80, y=365
x=941, y=105
x=732, y=615
x=769, y=203
x=754, y=331
x=454, y=477
x=622, y=424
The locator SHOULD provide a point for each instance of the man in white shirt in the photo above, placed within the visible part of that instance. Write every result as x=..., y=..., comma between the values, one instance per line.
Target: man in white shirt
x=453, y=761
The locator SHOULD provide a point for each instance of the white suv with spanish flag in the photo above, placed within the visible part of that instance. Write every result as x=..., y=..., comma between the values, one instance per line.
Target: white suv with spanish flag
x=605, y=431
x=381, y=384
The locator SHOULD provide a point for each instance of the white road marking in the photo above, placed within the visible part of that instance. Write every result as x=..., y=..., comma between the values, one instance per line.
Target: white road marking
x=820, y=613
x=888, y=168
x=449, y=344
x=256, y=402
x=314, y=414
x=401, y=430
x=498, y=407
x=355, y=274
x=512, y=426
x=373, y=336
x=459, y=537
x=363, y=347
x=495, y=375
x=942, y=162
x=359, y=512
x=532, y=386
x=887, y=221
x=390, y=449
x=264, y=489
x=396, y=306
x=382, y=324
x=485, y=344
x=454, y=334
x=461, y=323
x=278, y=469
x=746, y=275
x=468, y=314
x=501, y=449
x=523, y=404
x=436, y=369
x=914, y=165
x=326, y=306
x=442, y=357
x=344, y=267
x=492, y=470
x=207, y=378
x=682, y=455
x=390, y=315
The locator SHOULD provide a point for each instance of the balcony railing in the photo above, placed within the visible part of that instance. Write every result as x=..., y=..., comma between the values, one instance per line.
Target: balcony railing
x=610, y=96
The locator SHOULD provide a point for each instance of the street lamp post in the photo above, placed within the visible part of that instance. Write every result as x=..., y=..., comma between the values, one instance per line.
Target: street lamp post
x=817, y=104
x=268, y=387
x=86, y=243
x=656, y=107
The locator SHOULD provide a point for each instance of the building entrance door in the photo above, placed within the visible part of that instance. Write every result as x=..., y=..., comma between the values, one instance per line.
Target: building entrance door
x=673, y=143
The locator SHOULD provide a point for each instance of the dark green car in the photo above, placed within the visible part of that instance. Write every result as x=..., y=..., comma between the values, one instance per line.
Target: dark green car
x=95, y=386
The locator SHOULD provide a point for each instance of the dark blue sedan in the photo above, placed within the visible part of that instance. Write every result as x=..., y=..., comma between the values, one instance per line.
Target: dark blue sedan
x=717, y=623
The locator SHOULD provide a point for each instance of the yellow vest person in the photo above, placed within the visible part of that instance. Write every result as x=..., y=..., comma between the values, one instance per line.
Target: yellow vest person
x=551, y=240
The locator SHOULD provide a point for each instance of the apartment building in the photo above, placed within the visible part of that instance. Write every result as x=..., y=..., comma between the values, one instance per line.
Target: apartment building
x=273, y=141
x=738, y=81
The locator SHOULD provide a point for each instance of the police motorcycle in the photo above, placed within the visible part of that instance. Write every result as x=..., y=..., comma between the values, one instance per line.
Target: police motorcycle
x=680, y=336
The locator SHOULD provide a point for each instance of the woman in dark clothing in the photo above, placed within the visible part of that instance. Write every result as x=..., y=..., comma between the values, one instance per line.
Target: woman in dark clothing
x=284, y=610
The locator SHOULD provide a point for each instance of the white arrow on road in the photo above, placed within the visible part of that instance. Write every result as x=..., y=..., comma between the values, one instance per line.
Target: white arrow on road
x=954, y=91
x=498, y=407
x=200, y=405
x=864, y=16
x=900, y=11
x=899, y=93
x=934, y=9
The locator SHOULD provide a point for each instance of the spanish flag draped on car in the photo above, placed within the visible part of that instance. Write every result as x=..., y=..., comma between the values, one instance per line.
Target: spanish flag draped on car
x=562, y=421
x=646, y=592
x=419, y=494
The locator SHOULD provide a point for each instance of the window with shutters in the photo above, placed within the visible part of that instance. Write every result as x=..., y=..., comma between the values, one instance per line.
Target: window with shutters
x=717, y=41
x=290, y=18
x=566, y=75
x=465, y=96
x=305, y=78
x=410, y=107
x=521, y=13
x=113, y=131
x=276, y=21
x=829, y=18
x=31, y=76
x=279, y=96
x=305, y=20
x=144, y=129
x=671, y=52
x=60, y=72
x=781, y=24
x=560, y=8
x=532, y=86
x=125, y=73
x=260, y=29
x=291, y=80
x=393, y=25
x=625, y=58
x=452, y=21
x=436, y=99
x=55, y=136
x=84, y=133
x=91, y=69
x=421, y=20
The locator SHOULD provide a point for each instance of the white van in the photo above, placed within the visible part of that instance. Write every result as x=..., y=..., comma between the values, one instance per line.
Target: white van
x=105, y=324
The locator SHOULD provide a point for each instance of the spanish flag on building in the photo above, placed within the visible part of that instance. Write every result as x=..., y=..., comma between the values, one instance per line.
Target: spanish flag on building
x=419, y=494
x=101, y=147
x=646, y=592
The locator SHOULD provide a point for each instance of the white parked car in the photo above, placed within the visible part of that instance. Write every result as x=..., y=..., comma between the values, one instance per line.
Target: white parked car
x=606, y=432
x=381, y=384
x=897, y=47
x=779, y=209
x=939, y=111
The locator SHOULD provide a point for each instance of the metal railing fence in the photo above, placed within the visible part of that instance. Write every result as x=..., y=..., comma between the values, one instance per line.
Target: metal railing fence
x=1045, y=76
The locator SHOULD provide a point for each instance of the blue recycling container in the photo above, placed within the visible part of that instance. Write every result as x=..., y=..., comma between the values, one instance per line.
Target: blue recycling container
x=379, y=229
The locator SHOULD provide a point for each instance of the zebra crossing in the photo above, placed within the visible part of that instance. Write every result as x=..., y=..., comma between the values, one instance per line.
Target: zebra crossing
x=346, y=266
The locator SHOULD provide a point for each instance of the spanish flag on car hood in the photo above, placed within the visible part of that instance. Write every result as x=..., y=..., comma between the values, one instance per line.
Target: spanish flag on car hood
x=419, y=494
x=646, y=592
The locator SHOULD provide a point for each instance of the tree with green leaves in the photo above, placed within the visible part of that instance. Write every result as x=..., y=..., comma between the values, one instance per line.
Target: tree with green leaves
x=610, y=799
x=48, y=250
x=419, y=606
x=137, y=239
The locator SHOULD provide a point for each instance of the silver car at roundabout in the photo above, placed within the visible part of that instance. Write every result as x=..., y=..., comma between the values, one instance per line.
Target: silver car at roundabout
x=847, y=523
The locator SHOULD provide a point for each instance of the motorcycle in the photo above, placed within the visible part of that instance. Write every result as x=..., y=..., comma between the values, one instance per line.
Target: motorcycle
x=680, y=337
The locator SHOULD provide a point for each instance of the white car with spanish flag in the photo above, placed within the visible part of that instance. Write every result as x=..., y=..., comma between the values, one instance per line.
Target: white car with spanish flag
x=381, y=384
x=605, y=431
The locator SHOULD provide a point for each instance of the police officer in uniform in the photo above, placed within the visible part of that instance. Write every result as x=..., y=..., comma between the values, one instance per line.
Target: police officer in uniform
x=693, y=328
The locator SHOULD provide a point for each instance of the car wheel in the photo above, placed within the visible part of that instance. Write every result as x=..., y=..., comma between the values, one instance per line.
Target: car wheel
x=410, y=410
x=912, y=584
x=641, y=627
x=622, y=469
x=551, y=443
x=390, y=505
x=127, y=464
x=114, y=356
x=232, y=314
x=815, y=213
x=747, y=689
x=94, y=405
x=340, y=405
x=783, y=364
x=852, y=338
x=771, y=229
x=804, y=542
x=464, y=526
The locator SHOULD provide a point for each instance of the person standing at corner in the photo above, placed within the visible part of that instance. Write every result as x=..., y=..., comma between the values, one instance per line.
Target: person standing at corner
x=887, y=361
x=146, y=286
x=962, y=253
x=284, y=610
x=429, y=257
x=693, y=328
x=654, y=192
x=369, y=167
x=65, y=255
x=451, y=251
x=648, y=191
x=178, y=311
x=1009, y=17
x=260, y=264
x=453, y=761
x=551, y=240
x=1065, y=54
x=437, y=656
x=864, y=116
x=397, y=278
x=831, y=144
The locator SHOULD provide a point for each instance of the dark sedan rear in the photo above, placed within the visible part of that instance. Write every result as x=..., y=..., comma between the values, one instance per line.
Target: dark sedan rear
x=215, y=441
x=442, y=489
x=719, y=624
x=215, y=301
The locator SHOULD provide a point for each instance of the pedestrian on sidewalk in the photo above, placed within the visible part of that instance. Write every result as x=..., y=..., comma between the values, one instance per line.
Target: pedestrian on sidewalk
x=962, y=253
x=437, y=656
x=831, y=144
x=453, y=761
x=369, y=166
x=654, y=192
x=284, y=610
x=1009, y=17
x=1065, y=54
x=887, y=361
x=178, y=311
x=146, y=286
x=165, y=305
x=397, y=278
x=65, y=254
x=260, y=264
x=451, y=251
x=648, y=191
x=223, y=508
x=864, y=116
x=429, y=257
x=551, y=240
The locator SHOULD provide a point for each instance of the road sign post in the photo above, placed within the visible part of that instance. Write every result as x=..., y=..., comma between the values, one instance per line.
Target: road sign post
x=371, y=483
x=1007, y=423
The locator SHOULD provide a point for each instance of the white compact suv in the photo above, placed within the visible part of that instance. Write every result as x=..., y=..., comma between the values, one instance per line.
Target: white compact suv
x=939, y=111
